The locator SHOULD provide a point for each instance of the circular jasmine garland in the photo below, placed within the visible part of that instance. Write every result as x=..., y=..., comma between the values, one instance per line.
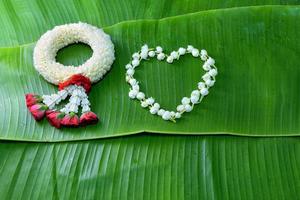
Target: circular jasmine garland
x=187, y=103
x=72, y=81
x=60, y=36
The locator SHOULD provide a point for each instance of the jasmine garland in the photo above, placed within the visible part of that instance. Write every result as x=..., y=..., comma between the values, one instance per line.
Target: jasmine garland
x=187, y=103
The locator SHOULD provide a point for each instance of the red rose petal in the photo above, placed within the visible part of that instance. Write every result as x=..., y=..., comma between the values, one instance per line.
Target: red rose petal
x=88, y=118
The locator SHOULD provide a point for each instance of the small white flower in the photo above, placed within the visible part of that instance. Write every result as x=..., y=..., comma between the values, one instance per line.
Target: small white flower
x=213, y=72
x=159, y=49
x=166, y=115
x=161, y=112
x=195, y=93
x=188, y=108
x=132, y=81
x=85, y=109
x=75, y=100
x=136, y=56
x=63, y=93
x=195, y=52
x=128, y=66
x=201, y=85
x=180, y=108
x=150, y=101
x=136, y=87
x=190, y=48
x=127, y=78
x=144, y=104
x=85, y=101
x=206, y=66
x=75, y=92
x=194, y=99
x=203, y=58
x=172, y=113
x=210, y=83
x=204, y=91
x=135, y=62
x=144, y=54
x=181, y=51
x=185, y=100
x=206, y=77
x=210, y=61
x=153, y=110
x=70, y=88
x=151, y=54
x=170, y=59
x=130, y=72
x=203, y=52
x=145, y=47
x=177, y=115
x=174, y=54
x=161, y=56
x=140, y=96
x=132, y=94
x=156, y=105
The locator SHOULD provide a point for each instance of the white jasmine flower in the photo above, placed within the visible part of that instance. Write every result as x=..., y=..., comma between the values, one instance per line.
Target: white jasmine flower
x=170, y=59
x=188, y=108
x=210, y=61
x=195, y=52
x=140, y=96
x=174, y=54
x=204, y=91
x=136, y=56
x=159, y=49
x=181, y=51
x=135, y=63
x=161, y=56
x=151, y=54
x=185, y=100
x=213, y=72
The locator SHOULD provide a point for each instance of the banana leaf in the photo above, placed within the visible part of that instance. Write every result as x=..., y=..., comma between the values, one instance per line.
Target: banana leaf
x=23, y=22
x=256, y=93
x=153, y=167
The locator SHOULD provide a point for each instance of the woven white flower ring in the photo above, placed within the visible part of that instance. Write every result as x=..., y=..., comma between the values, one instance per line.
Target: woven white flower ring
x=187, y=103
x=73, y=81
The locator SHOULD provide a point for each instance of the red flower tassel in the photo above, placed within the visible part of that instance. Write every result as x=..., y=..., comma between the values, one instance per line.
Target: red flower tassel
x=38, y=111
x=71, y=120
x=54, y=118
x=88, y=118
x=32, y=99
x=76, y=79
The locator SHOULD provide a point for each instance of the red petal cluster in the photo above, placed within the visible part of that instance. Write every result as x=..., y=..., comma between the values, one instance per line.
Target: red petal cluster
x=32, y=99
x=70, y=120
x=88, y=118
x=38, y=111
x=54, y=118
x=76, y=79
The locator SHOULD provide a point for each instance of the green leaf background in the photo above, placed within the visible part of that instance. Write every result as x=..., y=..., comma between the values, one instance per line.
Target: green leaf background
x=256, y=47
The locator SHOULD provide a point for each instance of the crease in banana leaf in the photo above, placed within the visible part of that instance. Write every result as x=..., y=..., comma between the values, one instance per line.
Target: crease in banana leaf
x=24, y=21
x=256, y=94
x=153, y=167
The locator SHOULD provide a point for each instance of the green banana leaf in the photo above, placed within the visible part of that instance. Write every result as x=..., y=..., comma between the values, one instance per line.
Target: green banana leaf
x=153, y=167
x=24, y=21
x=256, y=93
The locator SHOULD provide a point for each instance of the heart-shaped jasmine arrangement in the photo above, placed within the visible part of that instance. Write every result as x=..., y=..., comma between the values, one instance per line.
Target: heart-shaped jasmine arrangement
x=187, y=103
